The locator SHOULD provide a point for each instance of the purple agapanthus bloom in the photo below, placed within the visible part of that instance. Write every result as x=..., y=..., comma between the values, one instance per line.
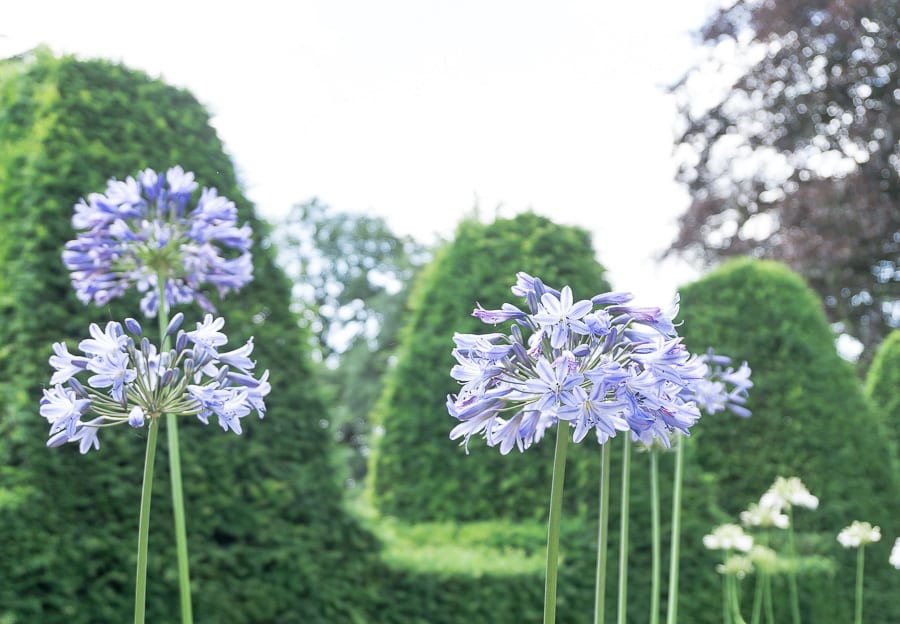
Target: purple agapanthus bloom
x=596, y=364
x=128, y=381
x=141, y=230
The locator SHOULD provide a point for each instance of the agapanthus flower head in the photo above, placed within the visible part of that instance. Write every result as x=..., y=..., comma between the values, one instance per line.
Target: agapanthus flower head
x=142, y=229
x=859, y=534
x=764, y=558
x=737, y=566
x=597, y=364
x=895, y=554
x=126, y=380
x=787, y=493
x=765, y=516
x=728, y=537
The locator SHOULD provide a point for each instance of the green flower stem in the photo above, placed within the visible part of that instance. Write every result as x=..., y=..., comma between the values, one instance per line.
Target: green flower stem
x=736, y=601
x=860, y=564
x=623, y=538
x=758, y=592
x=672, y=607
x=556, y=496
x=767, y=602
x=792, y=573
x=184, y=575
x=726, y=600
x=654, y=521
x=602, y=536
x=140, y=586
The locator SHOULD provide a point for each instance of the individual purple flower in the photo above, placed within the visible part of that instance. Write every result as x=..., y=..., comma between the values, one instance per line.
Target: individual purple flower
x=594, y=364
x=553, y=385
x=561, y=316
x=140, y=230
x=129, y=381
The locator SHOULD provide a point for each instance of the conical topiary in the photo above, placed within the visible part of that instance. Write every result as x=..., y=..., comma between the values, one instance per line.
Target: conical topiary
x=810, y=419
x=264, y=511
x=418, y=473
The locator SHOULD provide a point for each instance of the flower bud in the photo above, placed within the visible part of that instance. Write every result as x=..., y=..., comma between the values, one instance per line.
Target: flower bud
x=133, y=326
x=174, y=324
x=136, y=417
x=181, y=341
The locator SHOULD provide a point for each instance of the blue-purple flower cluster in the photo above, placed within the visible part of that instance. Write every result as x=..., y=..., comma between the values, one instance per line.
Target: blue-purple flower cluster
x=596, y=364
x=128, y=381
x=141, y=229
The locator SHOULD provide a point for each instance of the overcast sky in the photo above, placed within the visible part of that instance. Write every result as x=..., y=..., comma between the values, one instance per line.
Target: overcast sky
x=417, y=110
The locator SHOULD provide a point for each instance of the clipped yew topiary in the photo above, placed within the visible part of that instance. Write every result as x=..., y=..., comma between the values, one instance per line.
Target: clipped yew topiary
x=810, y=419
x=883, y=384
x=264, y=512
x=418, y=473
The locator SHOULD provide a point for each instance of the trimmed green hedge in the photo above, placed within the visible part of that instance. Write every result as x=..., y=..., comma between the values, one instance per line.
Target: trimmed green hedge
x=883, y=385
x=417, y=472
x=810, y=419
x=264, y=510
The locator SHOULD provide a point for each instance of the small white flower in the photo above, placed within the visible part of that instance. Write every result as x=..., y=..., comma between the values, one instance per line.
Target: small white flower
x=787, y=493
x=895, y=554
x=736, y=565
x=859, y=534
x=762, y=515
x=728, y=537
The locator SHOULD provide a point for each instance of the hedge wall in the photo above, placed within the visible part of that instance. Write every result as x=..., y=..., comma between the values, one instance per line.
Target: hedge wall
x=810, y=419
x=417, y=472
x=264, y=511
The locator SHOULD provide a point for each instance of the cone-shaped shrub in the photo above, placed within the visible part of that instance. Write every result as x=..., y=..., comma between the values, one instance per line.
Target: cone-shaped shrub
x=810, y=419
x=264, y=517
x=418, y=473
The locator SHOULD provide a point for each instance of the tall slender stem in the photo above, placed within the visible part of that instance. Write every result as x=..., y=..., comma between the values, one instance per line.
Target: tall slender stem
x=758, y=591
x=726, y=600
x=767, y=602
x=860, y=564
x=654, y=528
x=623, y=535
x=736, y=601
x=140, y=585
x=672, y=609
x=792, y=573
x=556, y=496
x=602, y=536
x=184, y=575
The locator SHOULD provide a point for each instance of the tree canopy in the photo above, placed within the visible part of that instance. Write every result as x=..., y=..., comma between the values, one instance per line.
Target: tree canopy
x=799, y=160
x=351, y=276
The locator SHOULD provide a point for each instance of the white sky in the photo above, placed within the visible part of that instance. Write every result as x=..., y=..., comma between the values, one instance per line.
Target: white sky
x=416, y=109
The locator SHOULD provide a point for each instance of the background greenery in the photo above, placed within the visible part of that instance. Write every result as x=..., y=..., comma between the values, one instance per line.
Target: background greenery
x=444, y=537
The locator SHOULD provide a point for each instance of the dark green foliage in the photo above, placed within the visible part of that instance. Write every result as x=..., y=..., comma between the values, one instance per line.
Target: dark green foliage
x=264, y=514
x=883, y=384
x=810, y=419
x=417, y=472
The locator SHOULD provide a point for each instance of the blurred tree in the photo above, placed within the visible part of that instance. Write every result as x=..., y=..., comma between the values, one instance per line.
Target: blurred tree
x=799, y=160
x=351, y=277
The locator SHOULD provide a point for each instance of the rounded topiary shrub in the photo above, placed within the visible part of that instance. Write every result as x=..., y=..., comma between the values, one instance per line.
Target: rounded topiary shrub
x=264, y=510
x=810, y=419
x=418, y=473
